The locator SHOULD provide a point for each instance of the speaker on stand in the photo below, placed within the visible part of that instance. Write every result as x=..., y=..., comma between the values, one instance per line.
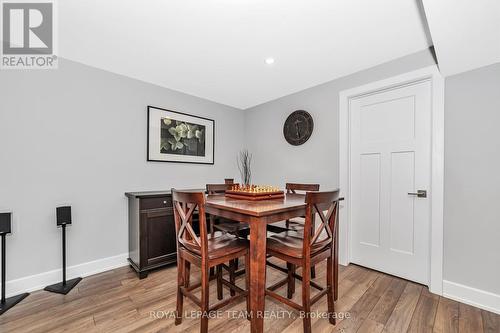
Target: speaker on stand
x=5, y=228
x=63, y=219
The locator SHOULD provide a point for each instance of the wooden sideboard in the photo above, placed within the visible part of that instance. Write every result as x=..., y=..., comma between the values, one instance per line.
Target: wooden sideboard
x=151, y=231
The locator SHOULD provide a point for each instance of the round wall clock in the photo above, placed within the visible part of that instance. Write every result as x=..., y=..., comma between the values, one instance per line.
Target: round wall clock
x=298, y=127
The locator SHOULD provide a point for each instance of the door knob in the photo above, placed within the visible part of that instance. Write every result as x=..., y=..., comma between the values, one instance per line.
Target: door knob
x=419, y=194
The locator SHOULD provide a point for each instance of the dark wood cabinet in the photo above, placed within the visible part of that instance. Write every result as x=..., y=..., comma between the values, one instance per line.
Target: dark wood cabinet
x=151, y=231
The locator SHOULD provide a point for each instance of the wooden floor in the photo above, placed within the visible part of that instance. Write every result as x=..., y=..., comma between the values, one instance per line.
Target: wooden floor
x=117, y=301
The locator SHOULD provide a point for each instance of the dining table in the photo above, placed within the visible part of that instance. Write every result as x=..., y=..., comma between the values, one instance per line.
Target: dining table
x=258, y=214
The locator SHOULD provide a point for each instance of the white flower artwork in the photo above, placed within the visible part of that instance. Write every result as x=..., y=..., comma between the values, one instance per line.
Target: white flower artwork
x=179, y=137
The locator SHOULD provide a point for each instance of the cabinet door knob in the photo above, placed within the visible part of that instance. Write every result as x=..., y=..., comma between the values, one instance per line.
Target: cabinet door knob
x=165, y=202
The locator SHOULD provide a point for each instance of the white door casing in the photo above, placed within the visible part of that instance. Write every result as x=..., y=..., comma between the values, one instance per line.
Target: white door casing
x=385, y=159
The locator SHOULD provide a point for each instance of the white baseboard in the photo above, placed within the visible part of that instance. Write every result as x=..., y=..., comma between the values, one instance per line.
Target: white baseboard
x=40, y=281
x=472, y=296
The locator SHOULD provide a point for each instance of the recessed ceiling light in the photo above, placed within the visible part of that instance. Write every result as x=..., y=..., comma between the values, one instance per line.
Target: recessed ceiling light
x=270, y=61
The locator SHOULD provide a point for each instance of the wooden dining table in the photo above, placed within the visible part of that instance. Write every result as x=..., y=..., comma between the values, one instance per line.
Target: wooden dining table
x=258, y=214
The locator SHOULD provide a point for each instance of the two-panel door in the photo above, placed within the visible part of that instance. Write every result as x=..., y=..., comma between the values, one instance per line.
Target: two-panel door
x=390, y=160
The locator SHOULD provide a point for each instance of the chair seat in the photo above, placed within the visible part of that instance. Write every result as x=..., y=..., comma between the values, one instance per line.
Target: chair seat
x=219, y=246
x=295, y=224
x=290, y=244
x=276, y=229
x=230, y=226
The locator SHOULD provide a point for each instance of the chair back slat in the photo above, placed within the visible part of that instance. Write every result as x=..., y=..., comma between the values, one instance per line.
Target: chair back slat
x=294, y=187
x=185, y=206
x=318, y=203
x=219, y=188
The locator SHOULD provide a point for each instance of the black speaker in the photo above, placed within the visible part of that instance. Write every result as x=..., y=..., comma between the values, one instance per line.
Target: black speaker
x=63, y=215
x=5, y=223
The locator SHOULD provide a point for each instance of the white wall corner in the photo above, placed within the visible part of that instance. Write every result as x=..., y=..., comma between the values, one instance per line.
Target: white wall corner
x=437, y=183
x=476, y=297
x=40, y=281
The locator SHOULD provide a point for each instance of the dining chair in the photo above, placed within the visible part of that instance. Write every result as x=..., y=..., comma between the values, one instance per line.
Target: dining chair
x=223, y=225
x=205, y=253
x=295, y=223
x=305, y=248
x=293, y=188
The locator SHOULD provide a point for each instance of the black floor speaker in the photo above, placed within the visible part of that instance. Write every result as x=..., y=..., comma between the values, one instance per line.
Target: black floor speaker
x=7, y=303
x=63, y=218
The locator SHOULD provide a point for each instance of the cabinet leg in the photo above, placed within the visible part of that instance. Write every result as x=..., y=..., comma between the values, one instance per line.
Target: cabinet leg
x=142, y=275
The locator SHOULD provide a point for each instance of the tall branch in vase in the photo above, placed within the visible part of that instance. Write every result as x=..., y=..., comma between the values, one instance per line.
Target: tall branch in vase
x=244, y=165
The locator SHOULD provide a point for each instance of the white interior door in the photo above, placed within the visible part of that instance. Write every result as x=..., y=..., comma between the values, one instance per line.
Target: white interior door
x=390, y=144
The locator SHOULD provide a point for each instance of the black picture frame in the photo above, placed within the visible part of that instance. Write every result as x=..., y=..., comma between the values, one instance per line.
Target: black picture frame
x=210, y=154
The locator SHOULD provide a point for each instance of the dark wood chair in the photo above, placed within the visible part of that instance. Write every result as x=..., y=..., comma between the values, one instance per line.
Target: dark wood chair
x=224, y=225
x=305, y=248
x=205, y=253
x=227, y=226
x=296, y=223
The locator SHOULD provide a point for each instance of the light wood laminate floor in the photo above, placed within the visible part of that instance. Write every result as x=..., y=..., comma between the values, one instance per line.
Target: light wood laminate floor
x=117, y=301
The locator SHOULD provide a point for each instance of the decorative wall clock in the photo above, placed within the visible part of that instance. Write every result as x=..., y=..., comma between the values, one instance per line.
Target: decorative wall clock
x=298, y=127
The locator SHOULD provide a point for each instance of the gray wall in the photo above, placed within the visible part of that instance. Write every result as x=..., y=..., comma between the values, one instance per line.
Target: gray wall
x=264, y=127
x=77, y=135
x=472, y=179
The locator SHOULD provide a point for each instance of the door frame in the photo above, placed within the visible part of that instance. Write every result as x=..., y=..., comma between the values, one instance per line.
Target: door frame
x=433, y=75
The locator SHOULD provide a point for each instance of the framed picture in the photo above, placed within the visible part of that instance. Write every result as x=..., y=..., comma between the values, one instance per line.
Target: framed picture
x=179, y=137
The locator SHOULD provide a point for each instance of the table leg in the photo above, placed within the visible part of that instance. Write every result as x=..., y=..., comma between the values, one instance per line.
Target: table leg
x=258, y=237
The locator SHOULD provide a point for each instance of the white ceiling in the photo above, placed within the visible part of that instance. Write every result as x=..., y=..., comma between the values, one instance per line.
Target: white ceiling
x=466, y=33
x=216, y=49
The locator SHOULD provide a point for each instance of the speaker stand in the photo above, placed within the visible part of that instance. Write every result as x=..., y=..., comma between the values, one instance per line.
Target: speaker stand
x=63, y=287
x=7, y=303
